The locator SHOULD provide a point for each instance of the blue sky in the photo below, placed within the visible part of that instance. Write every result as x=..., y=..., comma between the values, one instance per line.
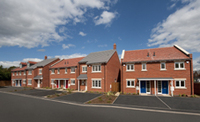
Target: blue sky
x=29, y=30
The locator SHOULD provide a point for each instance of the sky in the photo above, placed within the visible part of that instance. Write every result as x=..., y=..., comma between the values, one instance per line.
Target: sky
x=29, y=29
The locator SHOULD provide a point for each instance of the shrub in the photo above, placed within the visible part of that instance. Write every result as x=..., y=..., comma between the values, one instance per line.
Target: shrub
x=108, y=101
x=120, y=92
x=97, y=92
x=48, y=96
x=183, y=95
x=110, y=98
x=99, y=97
x=15, y=89
x=180, y=95
x=124, y=92
x=129, y=93
x=109, y=93
x=91, y=92
x=134, y=93
x=89, y=102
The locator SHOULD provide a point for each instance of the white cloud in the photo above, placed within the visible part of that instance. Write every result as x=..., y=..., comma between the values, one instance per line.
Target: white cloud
x=105, y=18
x=67, y=46
x=75, y=55
x=41, y=50
x=82, y=34
x=181, y=28
x=92, y=41
x=16, y=63
x=83, y=47
x=119, y=38
x=105, y=45
x=196, y=64
x=172, y=6
x=30, y=23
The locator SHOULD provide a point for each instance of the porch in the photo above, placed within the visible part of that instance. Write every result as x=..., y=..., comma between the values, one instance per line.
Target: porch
x=17, y=82
x=82, y=82
x=155, y=86
x=60, y=83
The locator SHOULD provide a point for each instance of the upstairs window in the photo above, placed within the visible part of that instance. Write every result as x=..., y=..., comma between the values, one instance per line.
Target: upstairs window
x=52, y=71
x=40, y=71
x=65, y=70
x=20, y=73
x=162, y=66
x=84, y=68
x=13, y=73
x=96, y=68
x=72, y=70
x=58, y=71
x=130, y=67
x=24, y=72
x=16, y=73
x=24, y=81
x=30, y=72
x=179, y=65
x=144, y=67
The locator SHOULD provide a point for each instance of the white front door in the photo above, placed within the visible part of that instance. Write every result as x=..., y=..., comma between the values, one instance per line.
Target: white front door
x=86, y=85
x=38, y=85
x=159, y=87
x=148, y=87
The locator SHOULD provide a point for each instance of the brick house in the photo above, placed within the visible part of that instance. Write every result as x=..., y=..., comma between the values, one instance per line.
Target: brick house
x=98, y=70
x=64, y=73
x=18, y=75
x=38, y=74
x=158, y=71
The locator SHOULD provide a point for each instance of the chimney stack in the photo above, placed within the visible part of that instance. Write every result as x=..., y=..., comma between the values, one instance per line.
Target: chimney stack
x=114, y=46
x=45, y=57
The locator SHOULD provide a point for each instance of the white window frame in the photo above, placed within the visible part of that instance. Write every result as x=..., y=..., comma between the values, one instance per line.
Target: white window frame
x=130, y=80
x=52, y=81
x=24, y=72
x=161, y=66
x=29, y=80
x=179, y=64
x=145, y=67
x=85, y=66
x=16, y=73
x=65, y=70
x=73, y=80
x=58, y=71
x=40, y=70
x=29, y=72
x=98, y=80
x=13, y=73
x=179, y=80
x=71, y=70
x=130, y=67
x=20, y=73
x=24, y=81
x=96, y=68
x=52, y=71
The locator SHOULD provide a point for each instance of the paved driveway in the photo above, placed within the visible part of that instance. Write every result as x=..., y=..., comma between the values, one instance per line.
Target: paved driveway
x=10, y=88
x=78, y=97
x=174, y=103
x=38, y=92
x=147, y=101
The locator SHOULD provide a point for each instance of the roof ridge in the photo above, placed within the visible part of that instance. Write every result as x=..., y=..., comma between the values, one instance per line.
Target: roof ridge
x=103, y=51
x=149, y=49
x=73, y=58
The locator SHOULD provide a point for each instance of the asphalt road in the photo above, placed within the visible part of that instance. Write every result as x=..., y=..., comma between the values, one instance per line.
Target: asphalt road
x=15, y=108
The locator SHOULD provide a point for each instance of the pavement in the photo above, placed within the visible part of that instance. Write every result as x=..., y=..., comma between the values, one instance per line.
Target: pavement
x=19, y=108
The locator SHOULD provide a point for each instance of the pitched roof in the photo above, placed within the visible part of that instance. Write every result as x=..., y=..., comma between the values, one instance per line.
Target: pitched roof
x=23, y=63
x=32, y=62
x=82, y=76
x=42, y=63
x=166, y=53
x=98, y=57
x=67, y=62
x=20, y=69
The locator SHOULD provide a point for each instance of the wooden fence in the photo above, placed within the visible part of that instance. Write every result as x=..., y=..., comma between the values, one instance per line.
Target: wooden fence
x=5, y=83
x=115, y=87
x=197, y=88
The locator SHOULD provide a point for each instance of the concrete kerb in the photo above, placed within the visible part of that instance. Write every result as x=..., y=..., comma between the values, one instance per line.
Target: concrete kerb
x=107, y=106
x=93, y=99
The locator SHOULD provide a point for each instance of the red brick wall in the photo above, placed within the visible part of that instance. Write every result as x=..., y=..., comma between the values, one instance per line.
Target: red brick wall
x=113, y=70
x=22, y=76
x=153, y=71
x=66, y=75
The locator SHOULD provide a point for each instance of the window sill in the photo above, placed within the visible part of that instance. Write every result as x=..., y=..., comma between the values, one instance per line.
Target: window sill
x=84, y=72
x=130, y=87
x=180, y=87
x=143, y=70
x=163, y=69
x=180, y=69
x=52, y=73
x=96, y=71
x=72, y=84
x=29, y=84
x=96, y=87
x=72, y=72
x=130, y=70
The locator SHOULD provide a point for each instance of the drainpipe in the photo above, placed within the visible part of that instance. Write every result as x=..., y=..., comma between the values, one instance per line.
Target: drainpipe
x=104, y=80
x=122, y=79
x=191, y=74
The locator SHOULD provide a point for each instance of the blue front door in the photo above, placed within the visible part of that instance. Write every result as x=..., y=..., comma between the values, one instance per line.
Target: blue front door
x=16, y=83
x=164, y=87
x=143, y=86
x=20, y=83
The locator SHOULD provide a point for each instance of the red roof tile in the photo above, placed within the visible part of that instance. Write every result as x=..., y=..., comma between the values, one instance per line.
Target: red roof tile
x=23, y=63
x=20, y=69
x=32, y=62
x=67, y=62
x=166, y=53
